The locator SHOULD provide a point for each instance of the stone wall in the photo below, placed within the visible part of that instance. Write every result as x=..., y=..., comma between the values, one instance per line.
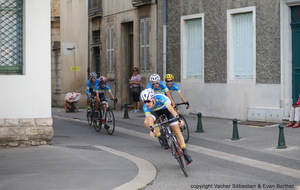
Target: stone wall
x=25, y=132
x=55, y=8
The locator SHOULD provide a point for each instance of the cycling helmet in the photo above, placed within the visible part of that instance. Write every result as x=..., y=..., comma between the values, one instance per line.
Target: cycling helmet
x=93, y=75
x=169, y=76
x=154, y=77
x=103, y=79
x=147, y=94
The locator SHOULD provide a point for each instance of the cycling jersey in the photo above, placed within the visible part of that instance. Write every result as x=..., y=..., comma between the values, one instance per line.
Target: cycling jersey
x=90, y=87
x=161, y=89
x=101, y=91
x=174, y=88
x=161, y=103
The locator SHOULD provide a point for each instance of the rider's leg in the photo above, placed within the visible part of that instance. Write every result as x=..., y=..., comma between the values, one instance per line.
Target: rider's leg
x=178, y=135
x=180, y=139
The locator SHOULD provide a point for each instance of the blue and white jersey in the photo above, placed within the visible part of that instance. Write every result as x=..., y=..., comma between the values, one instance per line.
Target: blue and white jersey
x=101, y=90
x=174, y=88
x=90, y=85
x=161, y=89
x=161, y=102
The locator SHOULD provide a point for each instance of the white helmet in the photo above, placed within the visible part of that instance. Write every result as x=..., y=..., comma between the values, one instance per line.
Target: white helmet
x=147, y=94
x=154, y=77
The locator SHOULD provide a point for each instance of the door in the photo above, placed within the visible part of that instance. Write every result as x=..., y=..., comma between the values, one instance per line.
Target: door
x=295, y=52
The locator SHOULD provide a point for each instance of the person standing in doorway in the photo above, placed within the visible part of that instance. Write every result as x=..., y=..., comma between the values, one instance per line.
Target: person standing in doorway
x=135, y=87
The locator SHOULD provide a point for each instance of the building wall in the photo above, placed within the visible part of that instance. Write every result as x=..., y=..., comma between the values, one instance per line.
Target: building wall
x=74, y=33
x=25, y=114
x=118, y=13
x=214, y=94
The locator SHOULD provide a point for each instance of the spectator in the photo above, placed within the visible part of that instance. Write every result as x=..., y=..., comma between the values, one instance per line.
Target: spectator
x=135, y=87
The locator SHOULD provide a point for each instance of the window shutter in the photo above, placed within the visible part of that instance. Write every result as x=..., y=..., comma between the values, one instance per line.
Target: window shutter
x=145, y=43
x=243, y=45
x=194, y=48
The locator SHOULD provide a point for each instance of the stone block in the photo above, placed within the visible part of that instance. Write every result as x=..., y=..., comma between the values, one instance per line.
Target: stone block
x=44, y=121
x=2, y=122
x=12, y=122
x=27, y=122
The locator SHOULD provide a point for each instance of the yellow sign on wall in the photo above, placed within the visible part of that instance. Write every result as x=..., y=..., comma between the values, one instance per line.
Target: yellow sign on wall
x=77, y=68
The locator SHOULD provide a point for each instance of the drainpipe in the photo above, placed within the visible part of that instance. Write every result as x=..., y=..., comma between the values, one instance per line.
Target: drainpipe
x=165, y=39
x=88, y=63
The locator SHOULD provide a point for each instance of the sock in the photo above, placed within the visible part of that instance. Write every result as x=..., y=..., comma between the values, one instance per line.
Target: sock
x=183, y=146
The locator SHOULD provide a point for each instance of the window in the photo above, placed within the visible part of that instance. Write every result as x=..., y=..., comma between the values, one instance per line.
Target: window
x=241, y=44
x=145, y=44
x=11, y=37
x=110, y=49
x=94, y=7
x=192, y=46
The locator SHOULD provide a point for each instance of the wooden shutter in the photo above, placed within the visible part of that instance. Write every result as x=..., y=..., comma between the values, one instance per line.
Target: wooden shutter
x=194, y=48
x=243, y=45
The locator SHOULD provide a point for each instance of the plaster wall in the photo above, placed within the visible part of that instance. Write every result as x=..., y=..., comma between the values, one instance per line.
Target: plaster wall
x=74, y=33
x=29, y=95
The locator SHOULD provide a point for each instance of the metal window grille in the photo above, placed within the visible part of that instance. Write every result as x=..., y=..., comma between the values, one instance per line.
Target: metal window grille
x=11, y=36
x=295, y=13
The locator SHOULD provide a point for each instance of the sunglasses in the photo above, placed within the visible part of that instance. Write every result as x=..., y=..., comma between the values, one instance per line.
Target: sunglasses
x=169, y=81
x=102, y=83
x=155, y=83
x=147, y=101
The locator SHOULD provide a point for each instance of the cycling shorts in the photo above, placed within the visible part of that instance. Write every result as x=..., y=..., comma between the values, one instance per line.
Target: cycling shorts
x=93, y=93
x=158, y=113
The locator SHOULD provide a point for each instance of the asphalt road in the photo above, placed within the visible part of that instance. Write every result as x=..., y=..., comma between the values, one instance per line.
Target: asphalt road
x=253, y=162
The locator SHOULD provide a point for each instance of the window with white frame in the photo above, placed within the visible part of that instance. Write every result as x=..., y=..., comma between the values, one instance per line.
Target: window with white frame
x=110, y=49
x=11, y=37
x=241, y=44
x=192, y=46
x=145, y=44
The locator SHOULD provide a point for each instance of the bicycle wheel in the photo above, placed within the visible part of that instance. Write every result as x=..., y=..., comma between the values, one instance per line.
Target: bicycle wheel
x=89, y=117
x=97, y=121
x=184, y=129
x=109, y=122
x=177, y=153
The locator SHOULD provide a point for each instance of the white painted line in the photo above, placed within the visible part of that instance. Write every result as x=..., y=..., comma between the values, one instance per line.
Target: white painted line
x=146, y=173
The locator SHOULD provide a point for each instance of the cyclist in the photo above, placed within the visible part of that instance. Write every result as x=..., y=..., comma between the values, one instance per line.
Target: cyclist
x=100, y=90
x=173, y=87
x=159, y=87
x=156, y=105
x=90, y=87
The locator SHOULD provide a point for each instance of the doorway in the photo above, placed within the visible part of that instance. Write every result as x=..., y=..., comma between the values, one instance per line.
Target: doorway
x=295, y=25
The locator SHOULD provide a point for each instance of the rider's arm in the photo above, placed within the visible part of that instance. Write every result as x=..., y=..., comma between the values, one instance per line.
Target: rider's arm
x=88, y=90
x=183, y=100
x=111, y=95
x=170, y=97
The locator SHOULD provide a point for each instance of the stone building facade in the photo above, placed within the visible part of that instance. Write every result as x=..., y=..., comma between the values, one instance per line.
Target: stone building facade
x=216, y=90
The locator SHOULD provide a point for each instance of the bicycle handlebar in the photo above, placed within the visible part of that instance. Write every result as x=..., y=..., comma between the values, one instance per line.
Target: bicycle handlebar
x=161, y=123
x=183, y=103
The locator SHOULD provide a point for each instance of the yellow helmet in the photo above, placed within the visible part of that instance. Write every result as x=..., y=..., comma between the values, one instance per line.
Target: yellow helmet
x=169, y=76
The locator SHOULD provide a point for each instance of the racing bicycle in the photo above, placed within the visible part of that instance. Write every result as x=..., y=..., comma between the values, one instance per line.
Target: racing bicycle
x=105, y=118
x=166, y=131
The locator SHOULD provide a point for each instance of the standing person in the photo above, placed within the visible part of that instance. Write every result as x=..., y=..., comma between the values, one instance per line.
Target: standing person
x=173, y=87
x=91, y=84
x=156, y=105
x=135, y=87
x=295, y=115
x=159, y=87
